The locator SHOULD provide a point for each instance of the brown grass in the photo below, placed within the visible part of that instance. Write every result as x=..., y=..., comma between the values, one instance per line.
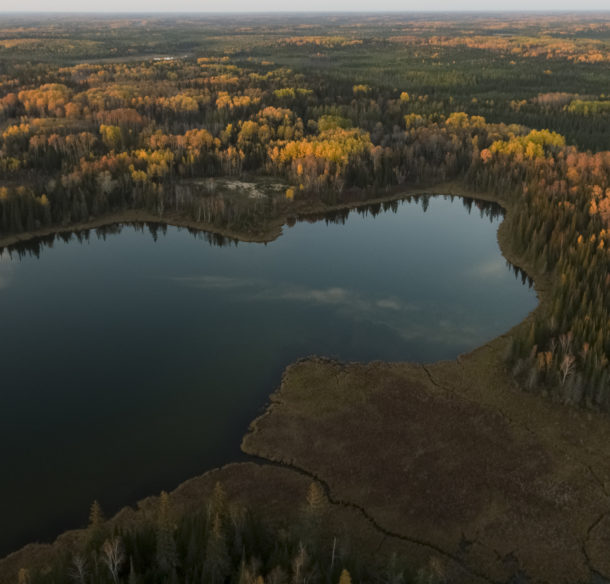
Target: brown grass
x=454, y=455
x=449, y=463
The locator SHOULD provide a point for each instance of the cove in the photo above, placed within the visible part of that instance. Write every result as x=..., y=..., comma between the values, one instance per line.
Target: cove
x=133, y=357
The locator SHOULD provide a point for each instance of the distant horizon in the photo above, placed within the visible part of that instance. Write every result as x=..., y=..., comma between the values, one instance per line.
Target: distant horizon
x=320, y=11
x=312, y=7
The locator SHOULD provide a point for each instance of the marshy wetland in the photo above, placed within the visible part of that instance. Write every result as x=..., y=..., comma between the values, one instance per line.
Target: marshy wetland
x=181, y=335
x=206, y=262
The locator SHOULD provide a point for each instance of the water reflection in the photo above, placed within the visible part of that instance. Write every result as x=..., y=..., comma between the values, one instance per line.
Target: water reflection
x=379, y=310
x=520, y=274
x=178, y=344
x=34, y=247
x=6, y=269
x=487, y=209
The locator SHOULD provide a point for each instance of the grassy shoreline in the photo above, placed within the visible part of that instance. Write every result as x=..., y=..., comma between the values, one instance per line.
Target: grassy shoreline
x=266, y=438
x=453, y=455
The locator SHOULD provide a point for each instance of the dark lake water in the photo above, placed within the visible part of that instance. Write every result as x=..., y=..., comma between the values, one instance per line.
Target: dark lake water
x=133, y=358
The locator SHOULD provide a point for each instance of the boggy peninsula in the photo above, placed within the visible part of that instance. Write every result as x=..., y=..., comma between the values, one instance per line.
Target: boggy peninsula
x=453, y=428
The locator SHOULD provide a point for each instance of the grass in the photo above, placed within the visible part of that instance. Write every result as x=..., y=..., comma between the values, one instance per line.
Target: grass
x=449, y=463
x=454, y=455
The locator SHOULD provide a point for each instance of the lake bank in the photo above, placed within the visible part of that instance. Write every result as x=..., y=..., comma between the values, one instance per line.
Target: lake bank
x=270, y=231
x=486, y=519
x=453, y=457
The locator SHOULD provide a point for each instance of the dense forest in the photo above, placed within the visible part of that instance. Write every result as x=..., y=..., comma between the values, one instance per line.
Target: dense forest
x=230, y=138
x=229, y=124
x=221, y=542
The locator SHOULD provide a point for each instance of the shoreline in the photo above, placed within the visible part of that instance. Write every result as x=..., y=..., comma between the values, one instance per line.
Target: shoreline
x=270, y=232
x=273, y=231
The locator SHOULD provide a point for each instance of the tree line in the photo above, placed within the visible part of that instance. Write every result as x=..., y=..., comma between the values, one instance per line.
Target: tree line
x=222, y=542
x=86, y=140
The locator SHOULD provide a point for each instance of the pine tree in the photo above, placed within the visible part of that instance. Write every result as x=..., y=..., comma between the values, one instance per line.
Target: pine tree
x=218, y=503
x=317, y=502
x=217, y=562
x=96, y=515
x=96, y=529
x=315, y=512
x=166, y=546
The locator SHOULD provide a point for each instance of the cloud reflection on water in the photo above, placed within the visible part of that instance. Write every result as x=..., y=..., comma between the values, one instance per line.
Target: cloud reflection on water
x=409, y=320
x=494, y=268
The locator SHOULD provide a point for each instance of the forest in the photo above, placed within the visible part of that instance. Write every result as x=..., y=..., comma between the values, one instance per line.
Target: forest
x=167, y=115
x=168, y=134
x=222, y=541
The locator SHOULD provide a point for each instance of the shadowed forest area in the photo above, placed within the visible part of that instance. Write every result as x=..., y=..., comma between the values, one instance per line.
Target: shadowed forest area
x=235, y=124
x=220, y=542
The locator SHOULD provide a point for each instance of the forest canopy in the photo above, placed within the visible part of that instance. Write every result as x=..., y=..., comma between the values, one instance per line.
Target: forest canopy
x=155, y=113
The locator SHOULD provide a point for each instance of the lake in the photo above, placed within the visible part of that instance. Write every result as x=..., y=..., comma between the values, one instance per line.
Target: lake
x=134, y=357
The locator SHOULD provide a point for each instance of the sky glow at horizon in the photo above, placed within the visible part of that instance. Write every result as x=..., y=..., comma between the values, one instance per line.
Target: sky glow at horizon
x=311, y=6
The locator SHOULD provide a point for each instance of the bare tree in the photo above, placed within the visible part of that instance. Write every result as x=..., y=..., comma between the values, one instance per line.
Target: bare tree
x=113, y=556
x=78, y=571
x=565, y=341
x=567, y=367
x=298, y=564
